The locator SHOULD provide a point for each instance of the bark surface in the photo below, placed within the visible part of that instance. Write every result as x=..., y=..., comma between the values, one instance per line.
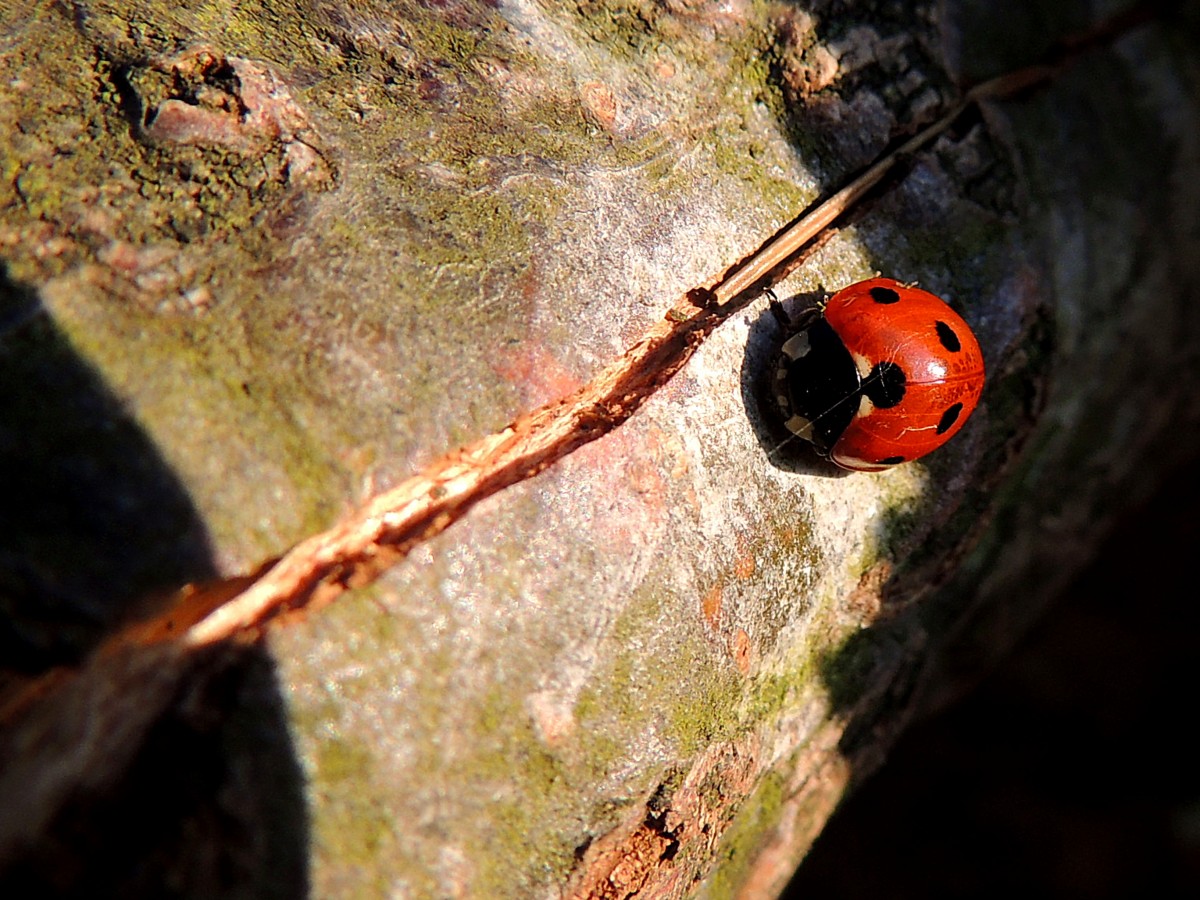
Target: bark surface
x=264, y=263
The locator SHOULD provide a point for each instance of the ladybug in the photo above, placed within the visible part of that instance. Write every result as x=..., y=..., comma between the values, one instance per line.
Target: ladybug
x=882, y=375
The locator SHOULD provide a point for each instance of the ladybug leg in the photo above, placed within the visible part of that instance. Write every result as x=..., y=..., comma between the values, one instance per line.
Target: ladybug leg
x=780, y=314
x=793, y=325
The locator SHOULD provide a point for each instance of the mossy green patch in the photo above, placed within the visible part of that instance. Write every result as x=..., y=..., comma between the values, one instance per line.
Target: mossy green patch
x=79, y=170
x=354, y=828
x=743, y=839
x=632, y=693
x=788, y=560
x=629, y=27
x=532, y=799
x=775, y=692
x=531, y=792
x=523, y=804
x=709, y=711
x=462, y=226
x=226, y=392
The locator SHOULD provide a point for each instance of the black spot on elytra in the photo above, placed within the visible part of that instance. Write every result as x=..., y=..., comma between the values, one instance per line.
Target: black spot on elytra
x=885, y=385
x=884, y=295
x=949, y=417
x=891, y=461
x=948, y=338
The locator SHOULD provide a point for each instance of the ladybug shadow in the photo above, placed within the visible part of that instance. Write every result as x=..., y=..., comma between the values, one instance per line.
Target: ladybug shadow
x=783, y=449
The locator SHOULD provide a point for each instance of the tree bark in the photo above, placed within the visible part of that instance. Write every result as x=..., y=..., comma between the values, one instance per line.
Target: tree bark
x=264, y=263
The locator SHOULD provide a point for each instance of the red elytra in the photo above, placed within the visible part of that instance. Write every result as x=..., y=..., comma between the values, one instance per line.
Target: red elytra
x=885, y=375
